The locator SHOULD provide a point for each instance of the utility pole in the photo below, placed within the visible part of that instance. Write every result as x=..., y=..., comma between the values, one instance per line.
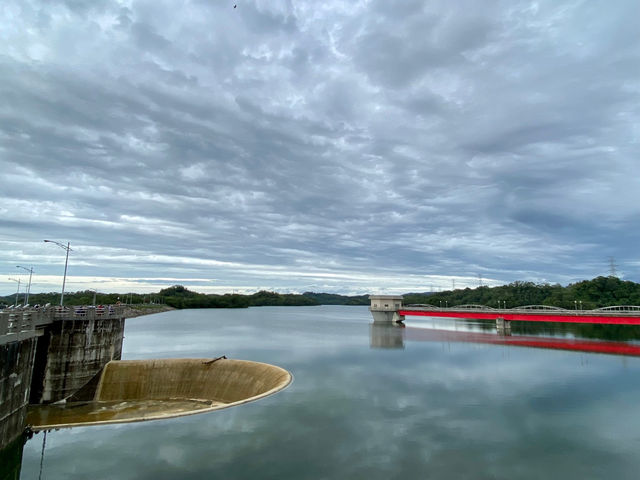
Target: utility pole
x=66, y=261
x=30, y=270
x=17, y=292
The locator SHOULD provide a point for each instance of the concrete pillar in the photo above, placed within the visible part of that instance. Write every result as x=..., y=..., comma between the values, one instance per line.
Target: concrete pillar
x=71, y=352
x=503, y=326
x=385, y=308
x=16, y=367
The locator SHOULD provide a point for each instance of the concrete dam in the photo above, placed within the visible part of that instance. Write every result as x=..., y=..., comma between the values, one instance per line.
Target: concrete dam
x=62, y=367
x=138, y=390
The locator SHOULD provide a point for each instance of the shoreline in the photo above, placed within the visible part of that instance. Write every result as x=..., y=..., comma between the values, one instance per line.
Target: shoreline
x=132, y=312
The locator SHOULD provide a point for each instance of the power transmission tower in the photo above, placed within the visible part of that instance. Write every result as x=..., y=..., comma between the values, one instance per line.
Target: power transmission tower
x=612, y=267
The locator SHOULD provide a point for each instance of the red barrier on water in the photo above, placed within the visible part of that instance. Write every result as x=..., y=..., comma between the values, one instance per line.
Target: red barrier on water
x=577, y=345
x=526, y=317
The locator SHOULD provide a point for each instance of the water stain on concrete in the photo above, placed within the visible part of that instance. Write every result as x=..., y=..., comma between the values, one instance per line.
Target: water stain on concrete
x=138, y=390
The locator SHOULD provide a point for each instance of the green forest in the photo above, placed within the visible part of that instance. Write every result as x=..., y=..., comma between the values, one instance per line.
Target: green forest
x=179, y=296
x=588, y=294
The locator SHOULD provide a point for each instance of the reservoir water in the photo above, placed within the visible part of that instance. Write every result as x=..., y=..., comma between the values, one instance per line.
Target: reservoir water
x=368, y=403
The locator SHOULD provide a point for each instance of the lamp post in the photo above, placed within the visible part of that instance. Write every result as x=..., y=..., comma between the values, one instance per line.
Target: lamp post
x=66, y=261
x=30, y=270
x=17, y=292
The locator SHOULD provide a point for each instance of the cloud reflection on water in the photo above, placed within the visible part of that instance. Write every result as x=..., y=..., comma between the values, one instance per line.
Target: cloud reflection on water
x=430, y=410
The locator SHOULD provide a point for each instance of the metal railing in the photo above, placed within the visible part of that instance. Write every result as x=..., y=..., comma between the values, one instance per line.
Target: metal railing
x=21, y=320
x=620, y=308
x=472, y=306
x=624, y=310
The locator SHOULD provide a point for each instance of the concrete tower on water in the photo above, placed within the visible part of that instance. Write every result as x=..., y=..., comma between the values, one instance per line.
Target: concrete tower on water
x=385, y=308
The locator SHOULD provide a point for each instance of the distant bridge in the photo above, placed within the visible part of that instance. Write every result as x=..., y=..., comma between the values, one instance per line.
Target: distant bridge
x=618, y=315
x=389, y=308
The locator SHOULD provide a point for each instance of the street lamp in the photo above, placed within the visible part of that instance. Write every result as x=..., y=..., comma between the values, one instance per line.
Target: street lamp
x=66, y=261
x=30, y=270
x=18, y=280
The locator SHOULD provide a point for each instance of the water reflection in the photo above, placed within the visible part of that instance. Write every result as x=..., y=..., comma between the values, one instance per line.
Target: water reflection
x=384, y=335
x=427, y=410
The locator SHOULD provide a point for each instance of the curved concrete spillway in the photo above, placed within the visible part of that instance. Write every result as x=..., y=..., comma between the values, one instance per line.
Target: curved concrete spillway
x=137, y=390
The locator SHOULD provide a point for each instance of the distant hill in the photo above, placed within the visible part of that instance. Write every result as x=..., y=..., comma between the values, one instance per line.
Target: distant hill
x=599, y=292
x=335, y=299
x=178, y=296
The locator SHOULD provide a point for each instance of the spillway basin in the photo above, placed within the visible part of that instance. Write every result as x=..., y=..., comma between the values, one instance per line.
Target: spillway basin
x=139, y=390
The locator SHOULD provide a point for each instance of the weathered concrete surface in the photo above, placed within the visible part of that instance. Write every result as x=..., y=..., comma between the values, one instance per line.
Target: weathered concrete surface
x=16, y=364
x=71, y=352
x=224, y=380
x=384, y=308
x=131, y=312
x=11, y=459
x=135, y=390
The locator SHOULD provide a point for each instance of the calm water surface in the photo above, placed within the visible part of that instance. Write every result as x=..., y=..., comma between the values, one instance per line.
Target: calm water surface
x=367, y=403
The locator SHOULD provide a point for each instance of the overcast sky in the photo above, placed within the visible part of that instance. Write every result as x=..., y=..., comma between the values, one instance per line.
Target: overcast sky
x=350, y=147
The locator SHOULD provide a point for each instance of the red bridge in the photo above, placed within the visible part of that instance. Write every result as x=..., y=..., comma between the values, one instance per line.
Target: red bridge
x=618, y=315
x=389, y=309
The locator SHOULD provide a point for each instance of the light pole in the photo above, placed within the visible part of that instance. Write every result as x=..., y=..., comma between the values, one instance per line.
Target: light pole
x=66, y=261
x=18, y=280
x=30, y=270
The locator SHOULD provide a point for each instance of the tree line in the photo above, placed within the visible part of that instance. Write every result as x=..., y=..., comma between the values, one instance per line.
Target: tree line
x=588, y=294
x=179, y=297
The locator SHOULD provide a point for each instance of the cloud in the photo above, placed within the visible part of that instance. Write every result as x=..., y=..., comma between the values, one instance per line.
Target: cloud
x=385, y=140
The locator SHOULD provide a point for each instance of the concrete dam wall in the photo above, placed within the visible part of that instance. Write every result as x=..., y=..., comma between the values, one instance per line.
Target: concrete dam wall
x=16, y=360
x=45, y=355
x=70, y=353
x=136, y=390
x=223, y=381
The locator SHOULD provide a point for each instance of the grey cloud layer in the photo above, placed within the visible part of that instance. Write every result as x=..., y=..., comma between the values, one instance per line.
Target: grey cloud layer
x=377, y=138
